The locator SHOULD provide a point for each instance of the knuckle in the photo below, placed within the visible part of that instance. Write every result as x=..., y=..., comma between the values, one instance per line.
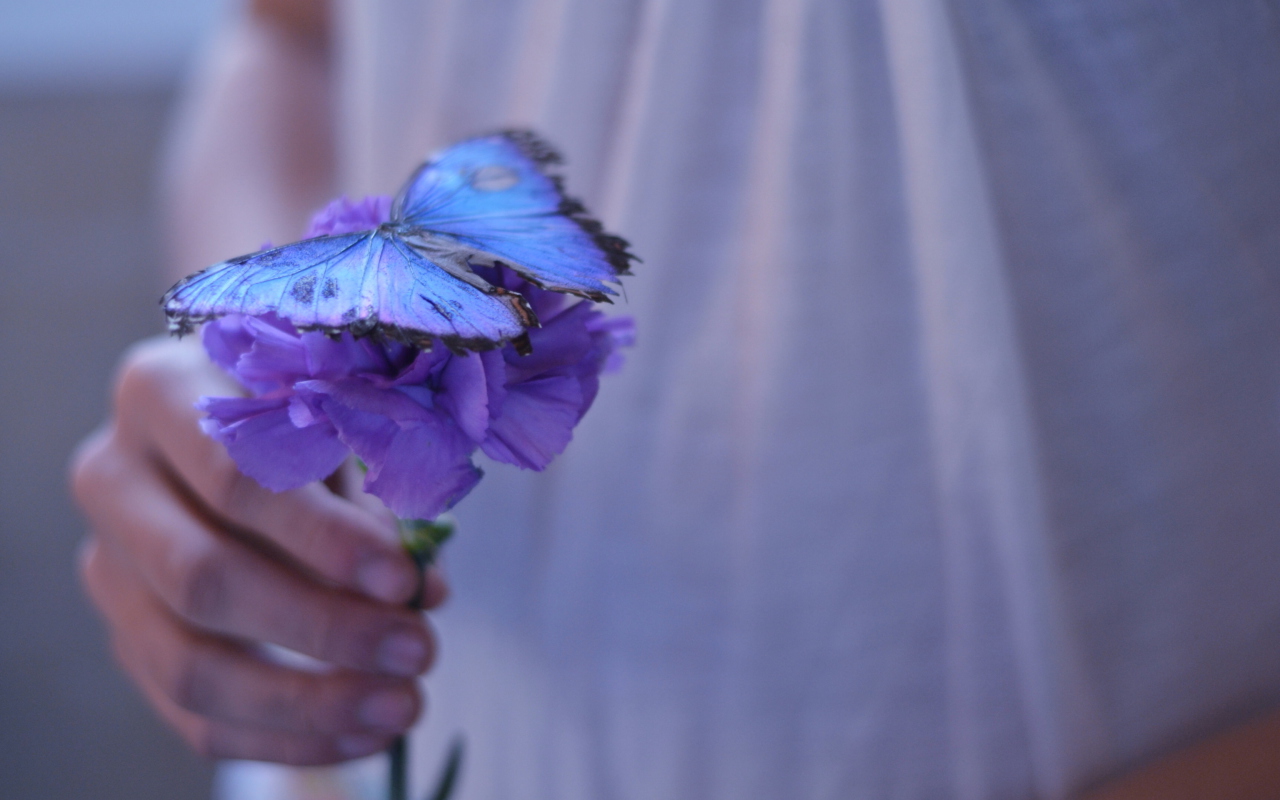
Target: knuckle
x=436, y=589
x=151, y=377
x=334, y=543
x=327, y=632
x=291, y=703
x=87, y=567
x=203, y=582
x=208, y=742
x=231, y=492
x=142, y=368
x=191, y=682
x=326, y=530
x=89, y=467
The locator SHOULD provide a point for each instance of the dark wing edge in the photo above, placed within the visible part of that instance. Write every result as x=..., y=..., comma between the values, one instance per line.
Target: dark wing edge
x=178, y=321
x=425, y=341
x=181, y=322
x=538, y=150
x=545, y=156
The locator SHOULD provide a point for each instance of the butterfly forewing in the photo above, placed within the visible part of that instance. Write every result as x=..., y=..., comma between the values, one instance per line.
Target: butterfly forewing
x=492, y=194
x=297, y=281
x=358, y=282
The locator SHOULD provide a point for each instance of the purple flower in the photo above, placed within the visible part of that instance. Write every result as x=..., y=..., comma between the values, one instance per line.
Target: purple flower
x=413, y=417
x=349, y=216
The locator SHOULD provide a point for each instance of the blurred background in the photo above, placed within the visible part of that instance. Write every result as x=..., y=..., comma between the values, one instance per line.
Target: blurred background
x=86, y=90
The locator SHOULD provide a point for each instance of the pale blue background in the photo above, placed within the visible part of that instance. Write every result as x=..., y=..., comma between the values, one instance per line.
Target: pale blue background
x=80, y=43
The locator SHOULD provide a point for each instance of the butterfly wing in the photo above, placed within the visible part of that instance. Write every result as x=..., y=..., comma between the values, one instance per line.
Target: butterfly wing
x=359, y=282
x=493, y=194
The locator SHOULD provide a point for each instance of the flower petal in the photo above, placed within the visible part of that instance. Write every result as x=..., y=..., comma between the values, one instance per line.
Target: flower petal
x=419, y=468
x=423, y=365
x=367, y=433
x=620, y=332
x=349, y=216
x=425, y=472
x=267, y=446
x=495, y=376
x=275, y=361
x=225, y=339
x=536, y=423
x=562, y=342
x=396, y=405
x=332, y=359
x=464, y=394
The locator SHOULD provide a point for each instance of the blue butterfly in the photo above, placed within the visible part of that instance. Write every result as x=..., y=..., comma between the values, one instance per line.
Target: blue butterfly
x=485, y=201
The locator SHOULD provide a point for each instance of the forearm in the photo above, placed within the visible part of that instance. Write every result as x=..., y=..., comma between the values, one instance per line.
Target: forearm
x=1242, y=763
x=251, y=153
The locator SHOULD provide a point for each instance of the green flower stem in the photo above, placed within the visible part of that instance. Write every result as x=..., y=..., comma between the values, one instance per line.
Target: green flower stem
x=422, y=540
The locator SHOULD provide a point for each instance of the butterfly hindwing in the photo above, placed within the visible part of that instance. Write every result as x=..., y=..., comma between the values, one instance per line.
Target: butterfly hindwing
x=358, y=282
x=420, y=293
x=493, y=194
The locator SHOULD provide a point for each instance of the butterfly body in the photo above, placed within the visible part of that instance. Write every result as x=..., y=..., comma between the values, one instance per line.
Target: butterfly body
x=482, y=202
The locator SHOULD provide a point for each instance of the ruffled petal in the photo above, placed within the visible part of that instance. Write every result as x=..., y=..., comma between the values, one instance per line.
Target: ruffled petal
x=276, y=360
x=425, y=471
x=367, y=433
x=267, y=446
x=562, y=342
x=536, y=423
x=395, y=404
x=589, y=387
x=225, y=339
x=333, y=359
x=349, y=216
x=422, y=367
x=419, y=467
x=621, y=328
x=495, y=377
x=464, y=394
x=613, y=334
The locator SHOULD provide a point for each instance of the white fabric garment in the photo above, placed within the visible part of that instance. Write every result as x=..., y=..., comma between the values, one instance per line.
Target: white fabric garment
x=948, y=462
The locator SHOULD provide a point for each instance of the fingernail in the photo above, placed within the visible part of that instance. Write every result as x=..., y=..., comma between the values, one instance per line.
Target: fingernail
x=384, y=579
x=390, y=711
x=357, y=745
x=435, y=588
x=402, y=654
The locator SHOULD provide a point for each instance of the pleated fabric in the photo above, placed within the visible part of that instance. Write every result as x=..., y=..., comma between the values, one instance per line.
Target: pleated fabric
x=948, y=462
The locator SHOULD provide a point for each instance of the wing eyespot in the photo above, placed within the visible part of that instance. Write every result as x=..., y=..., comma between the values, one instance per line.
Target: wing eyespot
x=304, y=289
x=494, y=178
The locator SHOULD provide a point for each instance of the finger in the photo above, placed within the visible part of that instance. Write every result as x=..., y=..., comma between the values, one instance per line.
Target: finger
x=435, y=589
x=336, y=538
x=228, y=682
x=217, y=583
x=220, y=740
x=346, y=482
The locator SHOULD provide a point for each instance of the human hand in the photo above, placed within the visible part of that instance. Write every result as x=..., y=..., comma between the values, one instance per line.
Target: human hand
x=195, y=567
